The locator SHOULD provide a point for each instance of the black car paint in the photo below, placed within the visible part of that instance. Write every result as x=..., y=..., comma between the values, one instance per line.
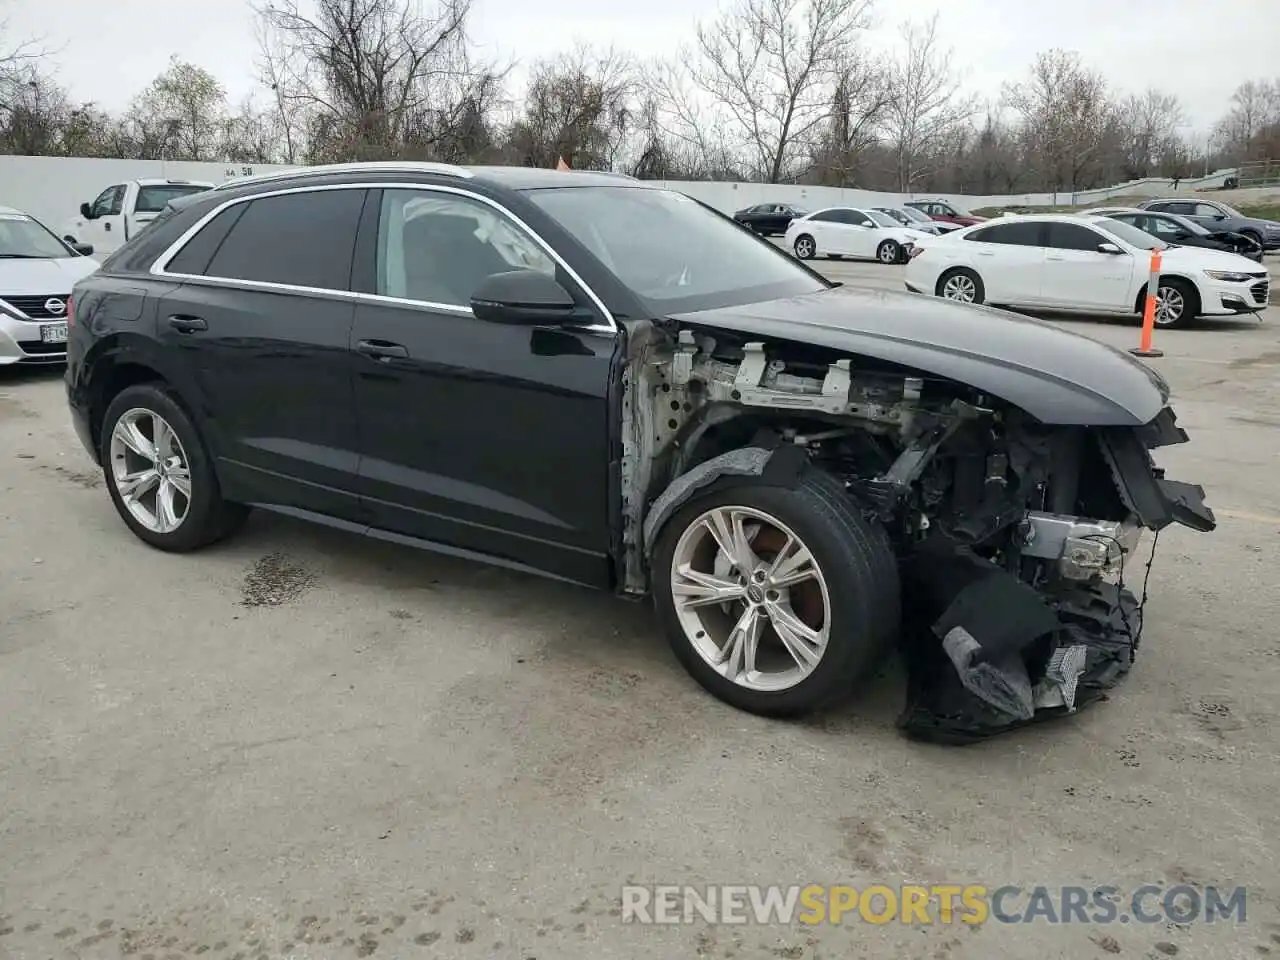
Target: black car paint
x=767, y=223
x=488, y=440
x=1055, y=375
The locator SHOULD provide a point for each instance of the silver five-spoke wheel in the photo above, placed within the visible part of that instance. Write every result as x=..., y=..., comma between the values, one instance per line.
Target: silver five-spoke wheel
x=150, y=470
x=751, y=598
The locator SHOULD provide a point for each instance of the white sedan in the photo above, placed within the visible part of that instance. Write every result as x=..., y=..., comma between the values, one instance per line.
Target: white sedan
x=1084, y=263
x=852, y=232
x=37, y=272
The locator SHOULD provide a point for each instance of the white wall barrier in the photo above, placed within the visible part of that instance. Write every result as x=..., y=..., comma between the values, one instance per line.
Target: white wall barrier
x=52, y=188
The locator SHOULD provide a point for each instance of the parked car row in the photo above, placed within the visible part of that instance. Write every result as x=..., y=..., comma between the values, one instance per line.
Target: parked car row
x=931, y=216
x=1092, y=263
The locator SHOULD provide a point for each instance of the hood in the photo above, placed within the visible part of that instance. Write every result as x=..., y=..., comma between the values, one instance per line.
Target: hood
x=1194, y=259
x=1056, y=376
x=19, y=278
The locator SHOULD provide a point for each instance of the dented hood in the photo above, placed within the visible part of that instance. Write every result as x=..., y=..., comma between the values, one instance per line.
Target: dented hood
x=1055, y=375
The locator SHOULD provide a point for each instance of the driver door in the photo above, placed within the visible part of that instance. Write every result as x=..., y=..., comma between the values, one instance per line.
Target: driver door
x=478, y=436
x=105, y=229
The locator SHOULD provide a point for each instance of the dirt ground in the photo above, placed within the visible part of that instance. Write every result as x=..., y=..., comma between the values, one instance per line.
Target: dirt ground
x=302, y=744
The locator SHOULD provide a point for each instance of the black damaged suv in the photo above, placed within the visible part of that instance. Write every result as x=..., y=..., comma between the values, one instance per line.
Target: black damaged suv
x=582, y=376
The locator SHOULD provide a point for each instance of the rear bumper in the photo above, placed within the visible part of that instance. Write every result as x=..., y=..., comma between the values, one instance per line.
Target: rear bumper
x=78, y=405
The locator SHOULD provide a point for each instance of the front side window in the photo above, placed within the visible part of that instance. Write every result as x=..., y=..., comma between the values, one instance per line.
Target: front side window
x=1208, y=210
x=302, y=239
x=110, y=202
x=1131, y=235
x=437, y=247
x=857, y=218
x=153, y=197
x=712, y=262
x=22, y=238
x=882, y=219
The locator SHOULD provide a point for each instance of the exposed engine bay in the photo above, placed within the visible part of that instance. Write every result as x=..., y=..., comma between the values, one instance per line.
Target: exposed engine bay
x=1016, y=539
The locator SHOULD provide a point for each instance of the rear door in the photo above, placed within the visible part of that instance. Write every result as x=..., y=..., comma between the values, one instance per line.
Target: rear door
x=479, y=436
x=1078, y=275
x=1009, y=257
x=262, y=322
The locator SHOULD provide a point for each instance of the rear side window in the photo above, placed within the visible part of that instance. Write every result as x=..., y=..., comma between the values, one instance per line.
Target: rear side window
x=195, y=255
x=153, y=197
x=1013, y=234
x=1072, y=236
x=300, y=239
x=827, y=216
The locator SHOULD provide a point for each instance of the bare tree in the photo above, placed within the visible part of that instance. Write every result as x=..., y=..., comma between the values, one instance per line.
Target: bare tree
x=579, y=108
x=862, y=97
x=1066, y=116
x=1251, y=128
x=368, y=78
x=772, y=66
x=687, y=121
x=181, y=115
x=1150, y=125
x=928, y=109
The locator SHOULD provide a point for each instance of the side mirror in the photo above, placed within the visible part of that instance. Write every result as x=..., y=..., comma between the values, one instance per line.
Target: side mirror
x=1110, y=248
x=522, y=297
x=84, y=249
x=86, y=211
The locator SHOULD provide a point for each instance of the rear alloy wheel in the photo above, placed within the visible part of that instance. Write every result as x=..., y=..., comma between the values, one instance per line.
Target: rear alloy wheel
x=805, y=247
x=1176, y=303
x=777, y=600
x=889, y=252
x=159, y=476
x=961, y=285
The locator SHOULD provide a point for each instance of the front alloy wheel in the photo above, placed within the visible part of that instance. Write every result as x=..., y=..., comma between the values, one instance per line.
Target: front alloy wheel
x=960, y=287
x=150, y=470
x=1171, y=306
x=750, y=598
x=777, y=599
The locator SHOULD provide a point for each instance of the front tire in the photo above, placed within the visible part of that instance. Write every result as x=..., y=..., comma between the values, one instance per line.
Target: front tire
x=777, y=600
x=890, y=251
x=159, y=474
x=805, y=247
x=1177, y=303
x=961, y=285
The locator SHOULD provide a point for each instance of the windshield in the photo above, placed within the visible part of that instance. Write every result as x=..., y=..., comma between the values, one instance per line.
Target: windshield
x=24, y=238
x=914, y=214
x=153, y=197
x=673, y=253
x=1132, y=235
x=882, y=219
x=1191, y=226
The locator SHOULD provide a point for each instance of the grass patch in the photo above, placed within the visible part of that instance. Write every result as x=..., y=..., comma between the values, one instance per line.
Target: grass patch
x=1263, y=211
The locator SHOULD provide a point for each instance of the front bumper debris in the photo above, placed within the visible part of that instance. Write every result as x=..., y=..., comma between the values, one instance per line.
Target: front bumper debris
x=988, y=651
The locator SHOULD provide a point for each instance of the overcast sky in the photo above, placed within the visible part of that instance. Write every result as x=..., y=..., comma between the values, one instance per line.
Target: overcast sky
x=107, y=50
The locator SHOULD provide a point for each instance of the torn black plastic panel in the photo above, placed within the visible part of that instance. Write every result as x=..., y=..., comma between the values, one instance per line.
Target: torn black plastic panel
x=1156, y=502
x=986, y=653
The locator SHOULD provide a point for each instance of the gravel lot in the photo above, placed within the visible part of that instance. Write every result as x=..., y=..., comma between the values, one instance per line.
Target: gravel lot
x=299, y=743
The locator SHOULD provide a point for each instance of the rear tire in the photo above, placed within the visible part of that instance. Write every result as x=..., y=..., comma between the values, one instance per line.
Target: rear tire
x=890, y=251
x=852, y=605
x=151, y=453
x=805, y=247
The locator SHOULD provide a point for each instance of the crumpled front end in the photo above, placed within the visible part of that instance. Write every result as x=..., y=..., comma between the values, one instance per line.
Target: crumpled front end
x=1022, y=607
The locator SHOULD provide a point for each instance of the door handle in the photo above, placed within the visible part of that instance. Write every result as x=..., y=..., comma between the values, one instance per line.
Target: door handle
x=107, y=226
x=187, y=324
x=1051, y=257
x=382, y=350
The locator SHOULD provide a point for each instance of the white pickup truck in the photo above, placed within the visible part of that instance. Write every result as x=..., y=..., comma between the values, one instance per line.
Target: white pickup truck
x=122, y=210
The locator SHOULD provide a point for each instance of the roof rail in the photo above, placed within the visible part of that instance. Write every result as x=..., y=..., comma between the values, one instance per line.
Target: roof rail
x=406, y=166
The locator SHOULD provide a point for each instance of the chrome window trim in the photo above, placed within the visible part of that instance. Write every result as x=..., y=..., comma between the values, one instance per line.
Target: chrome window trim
x=329, y=169
x=158, y=268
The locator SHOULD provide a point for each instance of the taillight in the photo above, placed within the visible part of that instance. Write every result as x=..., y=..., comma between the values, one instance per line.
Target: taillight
x=71, y=313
